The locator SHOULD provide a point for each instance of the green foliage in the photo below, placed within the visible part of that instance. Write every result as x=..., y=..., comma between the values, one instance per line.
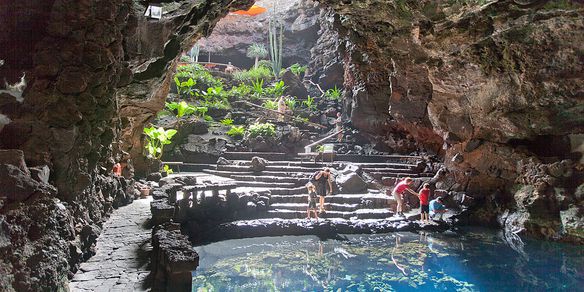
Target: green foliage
x=213, y=93
x=185, y=88
x=185, y=59
x=216, y=104
x=156, y=138
x=201, y=111
x=320, y=148
x=240, y=90
x=291, y=103
x=182, y=108
x=333, y=94
x=256, y=51
x=250, y=75
x=265, y=63
x=309, y=103
x=208, y=118
x=167, y=169
x=199, y=74
x=236, y=131
x=276, y=90
x=270, y=104
x=258, y=88
x=262, y=129
x=297, y=69
x=226, y=122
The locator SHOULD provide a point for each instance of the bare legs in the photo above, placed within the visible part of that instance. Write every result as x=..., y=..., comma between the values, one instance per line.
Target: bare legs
x=321, y=200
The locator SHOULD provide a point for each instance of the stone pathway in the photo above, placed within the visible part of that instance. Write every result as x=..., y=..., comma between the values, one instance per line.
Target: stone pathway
x=123, y=253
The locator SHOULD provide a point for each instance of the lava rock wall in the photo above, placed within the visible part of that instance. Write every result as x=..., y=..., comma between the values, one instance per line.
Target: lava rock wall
x=485, y=84
x=96, y=72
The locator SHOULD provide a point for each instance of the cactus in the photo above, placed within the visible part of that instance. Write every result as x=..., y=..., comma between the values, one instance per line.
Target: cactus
x=276, y=42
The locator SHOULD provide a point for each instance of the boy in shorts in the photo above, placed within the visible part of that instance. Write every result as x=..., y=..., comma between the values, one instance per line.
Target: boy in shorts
x=312, y=197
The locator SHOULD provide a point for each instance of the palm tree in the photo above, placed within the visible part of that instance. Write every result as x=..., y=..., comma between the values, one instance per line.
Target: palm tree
x=257, y=51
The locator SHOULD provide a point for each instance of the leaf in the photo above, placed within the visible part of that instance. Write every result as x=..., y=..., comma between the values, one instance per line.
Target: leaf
x=170, y=133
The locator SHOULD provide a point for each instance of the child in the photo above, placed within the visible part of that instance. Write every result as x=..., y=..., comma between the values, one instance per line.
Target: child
x=311, y=201
x=424, y=203
x=437, y=208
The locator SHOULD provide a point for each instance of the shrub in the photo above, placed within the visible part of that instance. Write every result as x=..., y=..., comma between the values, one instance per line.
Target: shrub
x=236, y=131
x=270, y=104
x=250, y=75
x=226, y=122
x=182, y=108
x=333, y=94
x=309, y=103
x=185, y=59
x=266, y=64
x=199, y=74
x=262, y=129
x=290, y=103
x=298, y=70
x=277, y=89
x=240, y=90
x=156, y=138
x=185, y=88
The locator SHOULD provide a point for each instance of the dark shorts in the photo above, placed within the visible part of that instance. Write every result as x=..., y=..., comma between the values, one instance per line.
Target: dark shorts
x=312, y=204
x=425, y=208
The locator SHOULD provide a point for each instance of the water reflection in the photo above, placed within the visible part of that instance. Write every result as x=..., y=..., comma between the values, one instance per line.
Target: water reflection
x=470, y=261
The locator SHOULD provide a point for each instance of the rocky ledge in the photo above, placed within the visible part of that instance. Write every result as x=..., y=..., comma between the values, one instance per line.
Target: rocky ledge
x=323, y=228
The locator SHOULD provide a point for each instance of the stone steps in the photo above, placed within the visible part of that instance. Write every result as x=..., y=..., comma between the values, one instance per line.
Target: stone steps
x=336, y=165
x=358, y=214
x=304, y=206
x=258, y=184
x=270, y=179
x=380, y=200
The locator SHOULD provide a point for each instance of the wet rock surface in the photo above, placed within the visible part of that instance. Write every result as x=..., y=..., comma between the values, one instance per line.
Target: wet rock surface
x=330, y=228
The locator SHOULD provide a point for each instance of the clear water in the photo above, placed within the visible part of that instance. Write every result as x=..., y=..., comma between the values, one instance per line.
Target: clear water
x=476, y=260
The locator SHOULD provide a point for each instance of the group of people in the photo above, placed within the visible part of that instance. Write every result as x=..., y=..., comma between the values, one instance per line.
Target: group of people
x=428, y=208
x=321, y=185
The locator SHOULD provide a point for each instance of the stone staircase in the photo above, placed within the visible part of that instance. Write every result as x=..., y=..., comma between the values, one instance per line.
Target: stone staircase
x=285, y=176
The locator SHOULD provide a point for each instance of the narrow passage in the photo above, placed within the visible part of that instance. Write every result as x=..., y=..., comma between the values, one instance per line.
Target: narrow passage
x=122, y=258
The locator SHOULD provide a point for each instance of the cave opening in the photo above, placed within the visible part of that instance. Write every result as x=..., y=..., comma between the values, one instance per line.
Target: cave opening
x=548, y=146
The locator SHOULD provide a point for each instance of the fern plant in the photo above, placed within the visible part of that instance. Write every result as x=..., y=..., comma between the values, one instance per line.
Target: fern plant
x=236, y=131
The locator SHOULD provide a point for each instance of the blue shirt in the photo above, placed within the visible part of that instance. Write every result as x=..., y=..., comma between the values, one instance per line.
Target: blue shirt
x=435, y=205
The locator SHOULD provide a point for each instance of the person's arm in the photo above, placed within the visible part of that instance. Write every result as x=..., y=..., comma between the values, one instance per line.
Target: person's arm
x=318, y=175
x=412, y=192
x=330, y=181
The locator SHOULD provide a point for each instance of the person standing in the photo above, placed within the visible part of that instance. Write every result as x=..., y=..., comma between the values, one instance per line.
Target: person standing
x=281, y=109
x=339, y=127
x=424, y=203
x=311, y=201
x=323, y=179
x=398, y=191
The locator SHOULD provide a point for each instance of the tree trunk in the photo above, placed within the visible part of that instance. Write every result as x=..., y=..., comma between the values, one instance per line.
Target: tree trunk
x=256, y=63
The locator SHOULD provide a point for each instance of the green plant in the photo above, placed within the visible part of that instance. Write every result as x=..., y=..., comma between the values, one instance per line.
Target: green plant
x=156, y=138
x=320, y=148
x=201, y=111
x=253, y=74
x=199, y=74
x=216, y=104
x=208, y=118
x=262, y=129
x=256, y=51
x=297, y=69
x=277, y=89
x=333, y=94
x=185, y=58
x=290, y=103
x=182, y=108
x=167, y=169
x=236, y=131
x=265, y=64
x=258, y=88
x=213, y=93
x=185, y=88
x=226, y=122
x=309, y=103
x=270, y=104
x=240, y=90
x=275, y=36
